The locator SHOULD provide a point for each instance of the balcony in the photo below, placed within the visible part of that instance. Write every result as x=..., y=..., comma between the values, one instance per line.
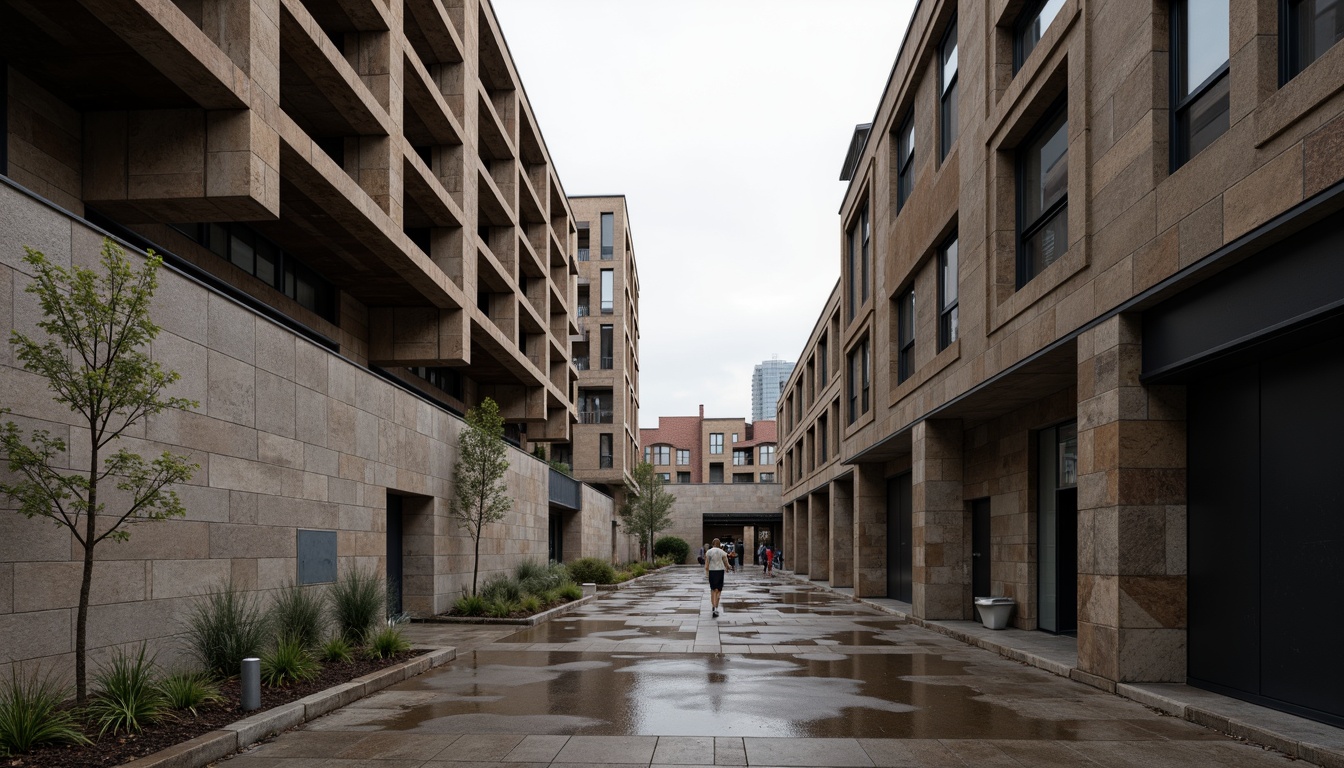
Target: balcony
x=583, y=254
x=583, y=310
x=607, y=362
x=581, y=363
x=595, y=417
x=565, y=491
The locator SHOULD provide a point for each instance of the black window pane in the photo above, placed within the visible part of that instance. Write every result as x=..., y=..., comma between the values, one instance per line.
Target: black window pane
x=1206, y=118
x=1032, y=27
x=240, y=250
x=1044, y=246
x=949, y=128
x=1045, y=176
x=267, y=257
x=1205, y=43
x=1315, y=26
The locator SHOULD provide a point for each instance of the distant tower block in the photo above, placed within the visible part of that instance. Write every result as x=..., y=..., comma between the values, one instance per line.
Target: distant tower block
x=767, y=382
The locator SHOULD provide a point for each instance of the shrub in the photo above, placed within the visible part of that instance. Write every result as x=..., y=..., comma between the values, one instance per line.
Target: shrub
x=671, y=546
x=188, y=690
x=592, y=570
x=30, y=714
x=528, y=569
x=623, y=576
x=470, y=605
x=356, y=601
x=571, y=591
x=500, y=609
x=386, y=643
x=531, y=604
x=337, y=650
x=544, y=579
x=549, y=597
x=638, y=569
x=297, y=613
x=225, y=627
x=286, y=662
x=127, y=698
x=664, y=561
x=502, y=588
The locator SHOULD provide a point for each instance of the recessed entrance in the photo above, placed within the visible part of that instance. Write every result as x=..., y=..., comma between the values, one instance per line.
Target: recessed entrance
x=900, y=538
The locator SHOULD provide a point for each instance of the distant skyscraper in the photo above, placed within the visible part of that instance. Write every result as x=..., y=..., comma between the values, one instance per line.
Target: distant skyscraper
x=767, y=381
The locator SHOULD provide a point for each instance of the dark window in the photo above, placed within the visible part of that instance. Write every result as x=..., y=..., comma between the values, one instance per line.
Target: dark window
x=867, y=361
x=608, y=236
x=1199, y=76
x=823, y=374
x=948, y=88
x=905, y=160
x=1043, y=196
x=583, y=307
x=583, y=240
x=716, y=473
x=595, y=406
x=683, y=477
x=1031, y=25
x=608, y=359
x=864, y=262
x=860, y=380
x=665, y=477
x=604, y=458
x=716, y=442
x=905, y=335
x=852, y=272
x=608, y=291
x=265, y=260
x=852, y=386
x=821, y=440
x=947, y=293
x=4, y=119
x=744, y=477
x=767, y=477
x=1310, y=27
x=448, y=380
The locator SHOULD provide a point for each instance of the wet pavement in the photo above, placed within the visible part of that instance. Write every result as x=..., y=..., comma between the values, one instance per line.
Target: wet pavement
x=788, y=675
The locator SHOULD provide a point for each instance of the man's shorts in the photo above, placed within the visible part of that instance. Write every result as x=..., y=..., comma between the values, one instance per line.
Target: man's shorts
x=716, y=580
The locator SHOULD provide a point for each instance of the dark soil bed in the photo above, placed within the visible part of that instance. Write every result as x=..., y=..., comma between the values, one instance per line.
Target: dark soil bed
x=114, y=749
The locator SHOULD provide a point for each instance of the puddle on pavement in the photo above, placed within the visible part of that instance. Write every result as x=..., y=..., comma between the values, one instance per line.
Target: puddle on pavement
x=708, y=695
x=583, y=630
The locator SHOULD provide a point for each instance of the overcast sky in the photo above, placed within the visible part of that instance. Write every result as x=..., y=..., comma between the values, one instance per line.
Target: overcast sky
x=725, y=123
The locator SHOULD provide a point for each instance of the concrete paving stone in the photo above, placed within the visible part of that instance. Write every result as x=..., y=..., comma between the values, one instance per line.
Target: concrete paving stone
x=729, y=751
x=536, y=749
x=305, y=743
x=904, y=753
x=387, y=744
x=806, y=752
x=481, y=747
x=684, y=750
x=595, y=750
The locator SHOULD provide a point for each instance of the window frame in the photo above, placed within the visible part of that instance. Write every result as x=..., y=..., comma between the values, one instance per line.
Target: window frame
x=946, y=116
x=1048, y=213
x=1028, y=15
x=1290, y=49
x=948, y=331
x=607, y=236
x=905, y=335
x=905, y=160
x=607, y=291
x=716, y=446
x=686, y=453
x=766, y=455
x=1180, y=107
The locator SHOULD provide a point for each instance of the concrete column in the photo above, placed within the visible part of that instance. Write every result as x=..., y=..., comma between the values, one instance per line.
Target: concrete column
x=786, y=534
x=802, y=526
x=870, y=531
x=842, y=533
x=819, y=533
x=377, y=59
x=941, y=586
x=1131, y=513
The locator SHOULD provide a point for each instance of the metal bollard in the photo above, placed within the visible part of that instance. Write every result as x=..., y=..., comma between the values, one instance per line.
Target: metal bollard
x=251, y=683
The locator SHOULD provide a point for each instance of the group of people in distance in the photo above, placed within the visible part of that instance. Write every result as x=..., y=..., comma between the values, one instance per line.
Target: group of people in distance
x=717, y=559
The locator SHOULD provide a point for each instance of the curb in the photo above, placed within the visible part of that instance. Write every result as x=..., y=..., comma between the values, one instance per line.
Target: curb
x=530, y=621
x=216, y=745
x=1321, y=754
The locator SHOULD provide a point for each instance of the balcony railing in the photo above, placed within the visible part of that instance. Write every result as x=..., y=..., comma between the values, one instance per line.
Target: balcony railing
x=583, y=254
x=565, y=491
x=594, y=417
x=581, y=363
x=583, y=310
x=606, y=362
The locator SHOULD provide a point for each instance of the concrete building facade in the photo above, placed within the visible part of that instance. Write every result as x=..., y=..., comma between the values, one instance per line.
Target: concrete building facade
x=605, y=447
x=364, y=236
x=1086, y=346
x=767, y=382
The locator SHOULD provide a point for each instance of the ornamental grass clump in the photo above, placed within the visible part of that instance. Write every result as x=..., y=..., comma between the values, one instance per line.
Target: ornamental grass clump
x=31, y=714
x=502, y=588
x=470, y=605
x=298, y=613
x=571, y=591
x=127, y=697
x=386, y=643
x=225, y=627
x=356, y=601
x=188, y=690
x=500, y=609
x=288, y=661
x=337, y=650
x=537, y=580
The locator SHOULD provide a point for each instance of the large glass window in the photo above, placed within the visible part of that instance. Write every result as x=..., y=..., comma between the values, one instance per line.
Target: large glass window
x=716, y=442
x=767, y=454
x=608, y=278
x=608, y=358
x=947, y=293
x=1199, y=76
x=683, y=477
x=823, y=372
x=905, y=160
x=865, y=267
x=604, y=458
x=1031, y=26
x=1043, y=196
x=852, y=272
x=595, y=406
x=860, y=380
x=660, y=455
x=1311, y=28
x=608, y=236
x=742, y=457
x=905, y=335
x=583, y=240
x=683, y=457
x=947, y=110
x=264, y=260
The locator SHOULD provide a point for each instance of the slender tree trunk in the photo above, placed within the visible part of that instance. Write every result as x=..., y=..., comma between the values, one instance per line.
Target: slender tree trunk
x=476, y=562
x=86, y=582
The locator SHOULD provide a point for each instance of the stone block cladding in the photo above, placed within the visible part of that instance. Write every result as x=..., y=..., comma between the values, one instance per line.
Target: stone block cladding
x=876, y=394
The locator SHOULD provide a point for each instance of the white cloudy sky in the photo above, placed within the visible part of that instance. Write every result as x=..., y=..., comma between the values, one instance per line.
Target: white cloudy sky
x=725, y=123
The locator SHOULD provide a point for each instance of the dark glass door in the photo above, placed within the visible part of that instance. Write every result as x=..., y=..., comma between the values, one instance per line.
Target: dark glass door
x=900, y=538
x=980, y=563
x=394, y=554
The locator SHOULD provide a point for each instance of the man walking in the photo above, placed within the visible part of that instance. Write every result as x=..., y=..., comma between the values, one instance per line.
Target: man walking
x=716, y=560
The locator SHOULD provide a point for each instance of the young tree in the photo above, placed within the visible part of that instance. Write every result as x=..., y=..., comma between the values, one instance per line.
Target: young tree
x=95, y=359
x=480, y=496
x=648, y=506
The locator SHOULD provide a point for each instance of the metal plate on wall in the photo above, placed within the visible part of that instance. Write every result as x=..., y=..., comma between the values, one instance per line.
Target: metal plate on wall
x=317, y=557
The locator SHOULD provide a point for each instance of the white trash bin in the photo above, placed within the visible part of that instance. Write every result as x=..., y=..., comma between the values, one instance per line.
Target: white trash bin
x=995, y=611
